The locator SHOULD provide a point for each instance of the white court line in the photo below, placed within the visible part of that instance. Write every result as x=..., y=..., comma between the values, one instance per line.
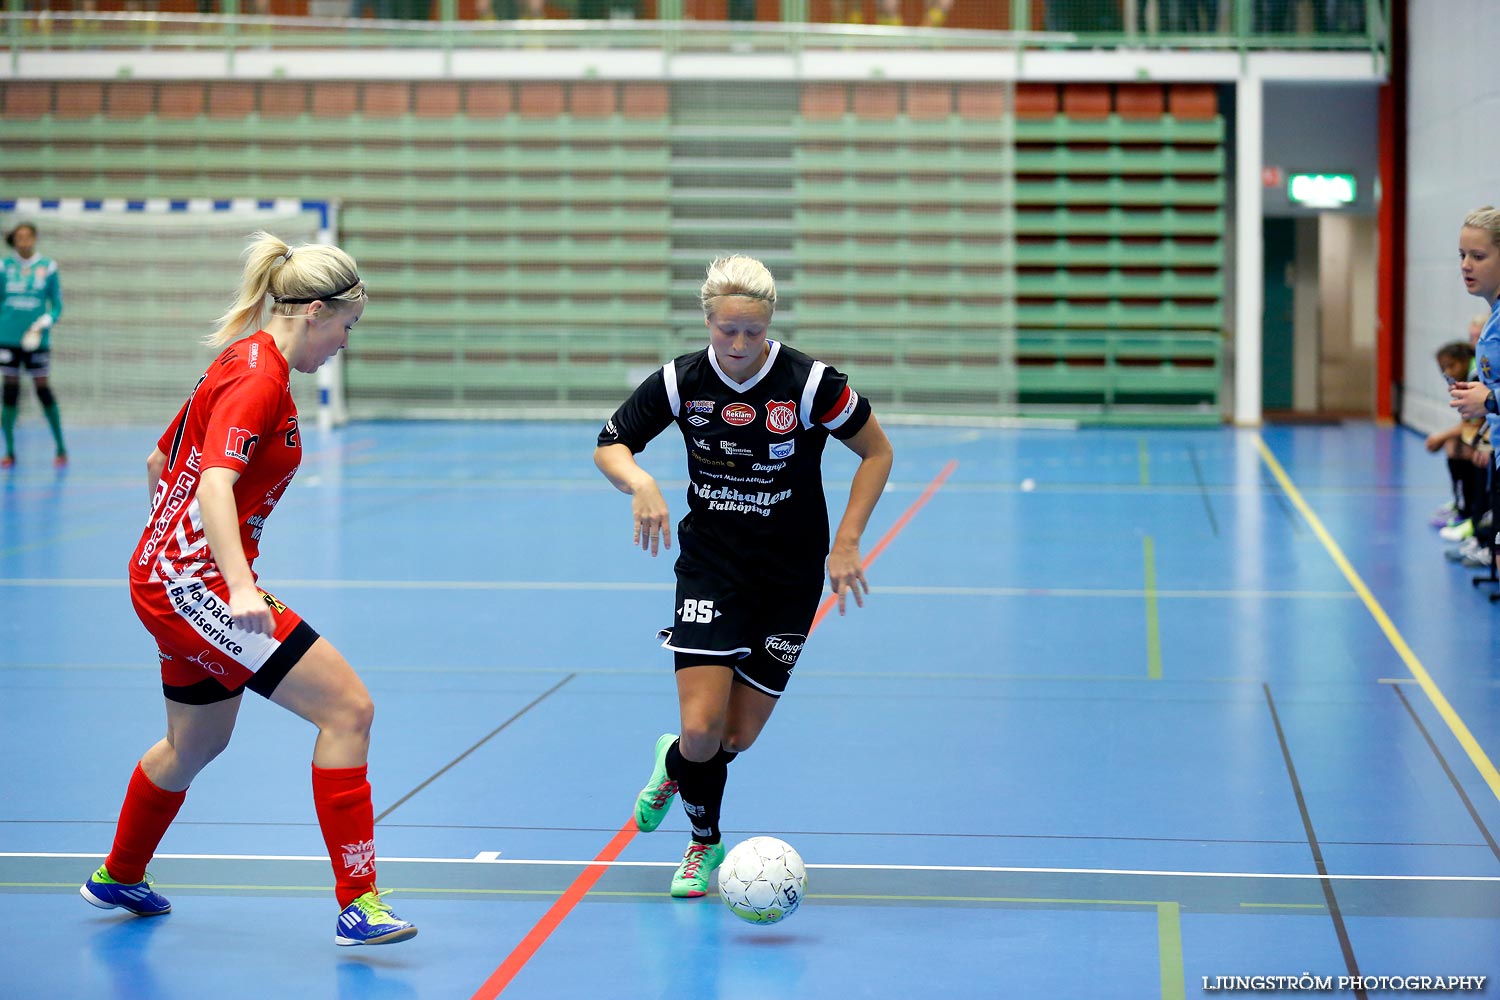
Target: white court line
x=492, y=858
x=533, y=585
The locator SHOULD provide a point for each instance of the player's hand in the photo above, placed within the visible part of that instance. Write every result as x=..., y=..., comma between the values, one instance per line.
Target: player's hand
x=653, y=522
x=32, y=338
x=250, y=612
x=1468, y=399
x=846, y=575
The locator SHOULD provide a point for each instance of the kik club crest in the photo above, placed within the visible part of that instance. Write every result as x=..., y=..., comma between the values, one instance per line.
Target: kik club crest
x=781, y=418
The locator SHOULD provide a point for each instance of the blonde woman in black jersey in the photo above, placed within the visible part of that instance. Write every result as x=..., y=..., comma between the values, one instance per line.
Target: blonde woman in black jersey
x=754, y=547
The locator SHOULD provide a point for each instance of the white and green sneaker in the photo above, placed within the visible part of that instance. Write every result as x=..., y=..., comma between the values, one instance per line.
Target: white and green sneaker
x=695, y=874
x=656, y=798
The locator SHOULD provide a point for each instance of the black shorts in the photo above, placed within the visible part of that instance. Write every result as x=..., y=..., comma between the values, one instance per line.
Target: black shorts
x=755, y=626
x=13, y=361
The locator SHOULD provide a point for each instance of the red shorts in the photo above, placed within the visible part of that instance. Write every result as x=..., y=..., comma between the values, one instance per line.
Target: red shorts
x=205, y=657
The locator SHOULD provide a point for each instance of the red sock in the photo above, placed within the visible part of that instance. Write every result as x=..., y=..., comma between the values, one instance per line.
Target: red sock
x=144, y=819
x=342, y=798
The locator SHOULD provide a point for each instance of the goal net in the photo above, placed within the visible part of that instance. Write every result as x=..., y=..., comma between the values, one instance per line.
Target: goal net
x=143, y=283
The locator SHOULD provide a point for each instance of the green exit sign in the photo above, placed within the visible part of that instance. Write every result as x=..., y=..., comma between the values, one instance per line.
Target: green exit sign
x=1321, y=190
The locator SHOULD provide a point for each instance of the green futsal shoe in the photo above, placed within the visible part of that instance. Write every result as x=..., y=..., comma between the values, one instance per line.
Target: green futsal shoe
x=656, y=798
x=699, y=862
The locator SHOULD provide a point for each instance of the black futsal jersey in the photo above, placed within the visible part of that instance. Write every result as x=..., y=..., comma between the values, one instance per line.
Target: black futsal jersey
x=755, y=482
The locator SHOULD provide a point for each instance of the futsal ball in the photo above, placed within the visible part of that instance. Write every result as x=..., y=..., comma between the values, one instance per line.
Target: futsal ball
x=762, y=880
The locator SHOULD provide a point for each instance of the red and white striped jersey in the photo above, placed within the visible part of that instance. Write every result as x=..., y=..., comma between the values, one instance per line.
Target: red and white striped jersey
x=240, y=416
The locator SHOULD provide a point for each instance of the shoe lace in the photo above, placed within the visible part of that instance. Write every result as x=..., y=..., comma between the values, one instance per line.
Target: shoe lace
x=664, y=793
x=692, y=860
x=374, y=908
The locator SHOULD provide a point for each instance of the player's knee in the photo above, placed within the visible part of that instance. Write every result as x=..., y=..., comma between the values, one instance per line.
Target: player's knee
x=356, y=714
x=194, y=754
x=700, y=741
x=738, y=742
x=740, y=738
x=44, y=394
x=10, y=394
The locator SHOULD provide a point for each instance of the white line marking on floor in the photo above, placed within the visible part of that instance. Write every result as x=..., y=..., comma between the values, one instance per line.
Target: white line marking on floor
x=485, y=858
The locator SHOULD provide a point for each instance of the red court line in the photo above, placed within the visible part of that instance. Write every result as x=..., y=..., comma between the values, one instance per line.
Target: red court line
x=521, y=954
x=889, y=536
x=558, y=911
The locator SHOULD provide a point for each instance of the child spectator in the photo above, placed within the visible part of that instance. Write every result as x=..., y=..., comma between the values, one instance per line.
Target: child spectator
x=1466, y=447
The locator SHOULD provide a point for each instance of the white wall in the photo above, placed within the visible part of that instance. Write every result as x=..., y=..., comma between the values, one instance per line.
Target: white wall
x=1453, y=166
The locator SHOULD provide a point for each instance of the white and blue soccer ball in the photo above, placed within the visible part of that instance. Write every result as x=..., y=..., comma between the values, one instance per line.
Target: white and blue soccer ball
x=762, y=880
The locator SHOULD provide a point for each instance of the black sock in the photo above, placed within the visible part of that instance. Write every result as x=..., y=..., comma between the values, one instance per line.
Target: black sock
x=700, y=784
x=1456, y=474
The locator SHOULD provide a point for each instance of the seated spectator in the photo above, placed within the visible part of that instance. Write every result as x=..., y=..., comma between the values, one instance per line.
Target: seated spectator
x=936, y=14
x=1467, y=451
x=848, y=12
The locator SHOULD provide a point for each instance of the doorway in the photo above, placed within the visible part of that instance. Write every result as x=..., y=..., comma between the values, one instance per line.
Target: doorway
x=1319, y=324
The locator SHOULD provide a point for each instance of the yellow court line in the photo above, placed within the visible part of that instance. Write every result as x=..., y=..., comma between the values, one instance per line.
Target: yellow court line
x=1153, y=617
x=1398, y=643
x=1169, y=951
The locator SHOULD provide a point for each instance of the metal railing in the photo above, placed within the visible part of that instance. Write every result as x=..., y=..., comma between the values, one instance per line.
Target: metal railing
x=1240, y=26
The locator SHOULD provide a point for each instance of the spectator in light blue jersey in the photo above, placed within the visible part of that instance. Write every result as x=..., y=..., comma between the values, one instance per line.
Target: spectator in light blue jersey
x=1479, y=263
x=30, y=303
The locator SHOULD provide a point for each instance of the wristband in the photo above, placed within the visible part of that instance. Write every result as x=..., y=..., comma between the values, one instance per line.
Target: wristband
x=1489, y=403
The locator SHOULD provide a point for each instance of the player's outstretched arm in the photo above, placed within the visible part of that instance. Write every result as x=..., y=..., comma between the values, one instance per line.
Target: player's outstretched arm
x=653, y=522
x=846, y=571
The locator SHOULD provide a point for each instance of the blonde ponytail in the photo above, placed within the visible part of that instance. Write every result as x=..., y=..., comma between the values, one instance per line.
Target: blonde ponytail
x=292, y=277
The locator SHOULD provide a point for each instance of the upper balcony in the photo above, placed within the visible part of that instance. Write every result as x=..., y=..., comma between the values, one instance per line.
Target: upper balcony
x=1000, y=33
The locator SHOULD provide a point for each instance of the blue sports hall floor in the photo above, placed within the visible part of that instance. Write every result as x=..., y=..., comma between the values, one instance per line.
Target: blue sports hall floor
x=1200, y=704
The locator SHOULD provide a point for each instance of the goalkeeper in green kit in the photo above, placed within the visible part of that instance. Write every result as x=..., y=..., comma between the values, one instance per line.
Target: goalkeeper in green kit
x=30, y=302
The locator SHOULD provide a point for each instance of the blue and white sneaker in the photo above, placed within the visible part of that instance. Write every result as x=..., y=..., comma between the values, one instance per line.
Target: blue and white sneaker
x=139, y=898
x=369, y=920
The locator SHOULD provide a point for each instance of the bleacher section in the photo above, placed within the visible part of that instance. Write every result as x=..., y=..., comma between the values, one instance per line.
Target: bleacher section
x=959, y=248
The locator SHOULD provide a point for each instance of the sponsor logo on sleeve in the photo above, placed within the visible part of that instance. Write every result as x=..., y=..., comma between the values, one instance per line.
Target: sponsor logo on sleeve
x=849, y=406
x=239, y=444
x=738, y=414
x=783, y=449
x=781, y=418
